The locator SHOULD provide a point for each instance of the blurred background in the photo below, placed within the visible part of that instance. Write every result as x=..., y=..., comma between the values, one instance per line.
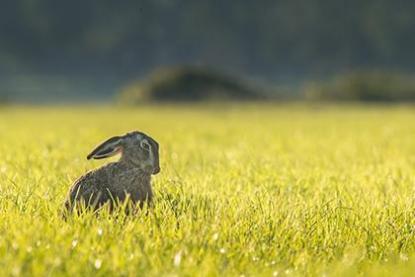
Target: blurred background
x=180, y=50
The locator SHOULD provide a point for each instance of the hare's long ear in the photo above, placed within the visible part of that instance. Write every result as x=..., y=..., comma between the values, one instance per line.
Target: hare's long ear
x=106, y=149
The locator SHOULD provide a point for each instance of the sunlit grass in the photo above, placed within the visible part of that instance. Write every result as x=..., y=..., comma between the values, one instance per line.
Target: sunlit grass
x=244, y=190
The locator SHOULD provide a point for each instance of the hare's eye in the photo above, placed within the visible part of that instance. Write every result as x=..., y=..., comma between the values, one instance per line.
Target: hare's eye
x=145, y=145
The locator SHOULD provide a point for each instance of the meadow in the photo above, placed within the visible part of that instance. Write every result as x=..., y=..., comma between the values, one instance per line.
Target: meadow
x=244, y=190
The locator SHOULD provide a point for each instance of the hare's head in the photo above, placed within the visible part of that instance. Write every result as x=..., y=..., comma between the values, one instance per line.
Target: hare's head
x=136, y=148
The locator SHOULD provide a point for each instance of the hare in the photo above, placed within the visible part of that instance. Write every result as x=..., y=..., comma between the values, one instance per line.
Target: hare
x=128, y=178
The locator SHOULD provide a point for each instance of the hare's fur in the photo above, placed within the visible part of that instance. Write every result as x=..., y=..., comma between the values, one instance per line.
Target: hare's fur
x=129, y=178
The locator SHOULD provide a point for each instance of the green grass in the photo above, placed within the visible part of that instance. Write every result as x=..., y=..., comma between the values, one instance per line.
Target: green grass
x=244, y=190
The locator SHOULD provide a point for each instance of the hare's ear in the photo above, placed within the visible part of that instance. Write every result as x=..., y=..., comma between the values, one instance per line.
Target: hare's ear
x=106, y=149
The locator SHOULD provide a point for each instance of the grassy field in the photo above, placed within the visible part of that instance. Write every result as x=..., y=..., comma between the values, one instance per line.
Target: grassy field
x=244, y=190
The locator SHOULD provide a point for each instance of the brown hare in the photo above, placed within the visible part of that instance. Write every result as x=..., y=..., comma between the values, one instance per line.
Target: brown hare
x=128, y=178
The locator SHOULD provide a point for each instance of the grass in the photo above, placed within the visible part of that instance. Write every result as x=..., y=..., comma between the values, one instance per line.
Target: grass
x=244, y=190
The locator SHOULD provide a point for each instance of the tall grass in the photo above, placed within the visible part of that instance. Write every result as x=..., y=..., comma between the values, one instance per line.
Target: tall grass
x=244, y=190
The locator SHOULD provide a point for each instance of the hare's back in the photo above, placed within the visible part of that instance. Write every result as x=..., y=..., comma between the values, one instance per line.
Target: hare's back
x=86, y=189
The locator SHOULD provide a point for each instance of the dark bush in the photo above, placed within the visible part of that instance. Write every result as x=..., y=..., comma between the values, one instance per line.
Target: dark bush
x=374, y=86
x=187, y=84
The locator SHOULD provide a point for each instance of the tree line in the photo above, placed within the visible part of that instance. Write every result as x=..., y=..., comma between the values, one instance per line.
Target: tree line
x=269, y=38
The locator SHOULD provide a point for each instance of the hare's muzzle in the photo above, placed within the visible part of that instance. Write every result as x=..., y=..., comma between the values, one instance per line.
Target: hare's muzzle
x=156, y=169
